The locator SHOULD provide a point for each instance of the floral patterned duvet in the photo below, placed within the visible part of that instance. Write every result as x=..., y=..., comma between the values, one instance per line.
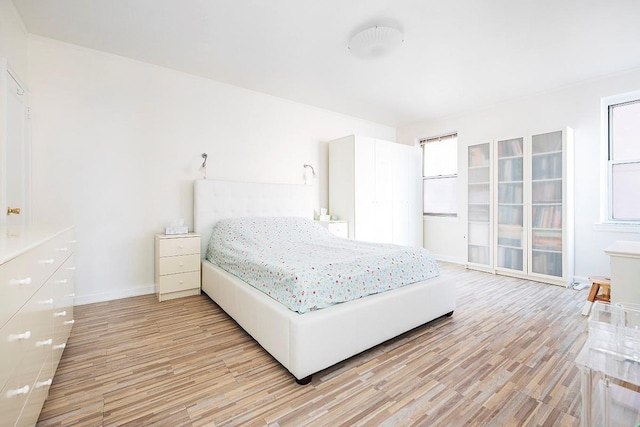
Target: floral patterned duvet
x=303, y=266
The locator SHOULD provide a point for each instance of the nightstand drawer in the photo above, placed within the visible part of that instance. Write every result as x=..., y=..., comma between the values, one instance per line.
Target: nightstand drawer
x=180, y=282
x=179, y=246
x=178, y=264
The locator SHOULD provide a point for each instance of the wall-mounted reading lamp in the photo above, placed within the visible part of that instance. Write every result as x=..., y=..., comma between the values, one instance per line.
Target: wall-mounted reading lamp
x=203, y=168
x=313, y=172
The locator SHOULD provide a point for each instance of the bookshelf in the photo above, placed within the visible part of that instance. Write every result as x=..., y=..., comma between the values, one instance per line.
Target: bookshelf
x=551, y=253
x=520, y=207
x=479, y=249
x=510, y=249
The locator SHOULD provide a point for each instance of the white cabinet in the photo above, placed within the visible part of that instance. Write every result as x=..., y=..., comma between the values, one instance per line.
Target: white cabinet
x=376, y=186
x=36, y=298
x=625, y=270
x=177, y=265
x=521, y=222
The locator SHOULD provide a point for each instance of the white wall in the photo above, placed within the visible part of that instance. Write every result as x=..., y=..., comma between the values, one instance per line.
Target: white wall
x=13, y=39
x=577, y=106
x=117, y=144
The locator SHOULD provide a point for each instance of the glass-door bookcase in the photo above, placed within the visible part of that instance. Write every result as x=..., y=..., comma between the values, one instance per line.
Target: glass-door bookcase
x=547, y=202
x=510, y=234
x=479, y=247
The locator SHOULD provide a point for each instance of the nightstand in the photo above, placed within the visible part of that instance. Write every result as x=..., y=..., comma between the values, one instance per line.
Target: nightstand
x=177, y=265
x=339, y=227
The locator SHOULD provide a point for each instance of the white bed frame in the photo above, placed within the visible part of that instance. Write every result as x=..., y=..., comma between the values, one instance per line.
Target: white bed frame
x=305, y=343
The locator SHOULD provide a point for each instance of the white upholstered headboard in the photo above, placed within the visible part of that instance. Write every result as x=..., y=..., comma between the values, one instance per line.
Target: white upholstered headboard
x=214, y=200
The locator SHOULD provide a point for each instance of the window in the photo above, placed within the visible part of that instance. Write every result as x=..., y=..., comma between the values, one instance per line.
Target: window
x=623, y=158
x=440, y=175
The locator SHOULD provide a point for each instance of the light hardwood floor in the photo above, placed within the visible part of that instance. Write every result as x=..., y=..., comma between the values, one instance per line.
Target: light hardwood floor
x=506, y=357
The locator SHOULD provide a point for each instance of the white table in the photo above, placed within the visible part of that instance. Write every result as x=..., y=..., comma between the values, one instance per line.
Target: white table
x=613, y=370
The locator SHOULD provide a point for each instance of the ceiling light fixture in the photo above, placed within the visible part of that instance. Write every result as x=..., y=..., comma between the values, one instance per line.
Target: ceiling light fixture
x=375, y=42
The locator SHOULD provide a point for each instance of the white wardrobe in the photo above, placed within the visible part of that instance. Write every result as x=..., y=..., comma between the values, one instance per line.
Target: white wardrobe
x=376, y=186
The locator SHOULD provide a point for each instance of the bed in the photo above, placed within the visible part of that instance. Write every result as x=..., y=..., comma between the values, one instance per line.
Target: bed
x=305, y=343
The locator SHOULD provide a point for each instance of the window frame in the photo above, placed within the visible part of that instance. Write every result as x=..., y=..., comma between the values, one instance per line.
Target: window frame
x=606, y=177
x=423, y=142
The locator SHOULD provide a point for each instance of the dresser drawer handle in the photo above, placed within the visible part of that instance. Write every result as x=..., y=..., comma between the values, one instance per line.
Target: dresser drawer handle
x=59, y=346
x=46, y=301
x=46, y=261
x=69, y=322
x=71, y=268
x=40, y=384
x=61, y=282
x=71, y=295
x=16, y=282
x=73, y=242
x=180, y=247
x=18, y=392
x=181, y=265
x=60, y=314
x=43, y=343
x=62, y=249
x=18, y=337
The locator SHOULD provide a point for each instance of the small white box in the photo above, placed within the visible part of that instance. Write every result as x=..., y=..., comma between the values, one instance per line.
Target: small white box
x=177, y=229
x=325, y=218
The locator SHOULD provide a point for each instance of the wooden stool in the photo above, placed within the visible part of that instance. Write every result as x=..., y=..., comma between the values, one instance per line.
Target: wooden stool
x=597, y=283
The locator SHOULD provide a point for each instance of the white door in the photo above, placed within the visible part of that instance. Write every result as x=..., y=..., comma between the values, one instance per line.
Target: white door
x=15, y=185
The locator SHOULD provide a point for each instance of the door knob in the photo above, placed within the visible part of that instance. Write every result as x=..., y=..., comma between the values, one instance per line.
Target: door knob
x=13, y=211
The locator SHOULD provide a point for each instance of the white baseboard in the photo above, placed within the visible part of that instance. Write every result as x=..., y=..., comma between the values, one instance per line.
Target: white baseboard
x=110, y=296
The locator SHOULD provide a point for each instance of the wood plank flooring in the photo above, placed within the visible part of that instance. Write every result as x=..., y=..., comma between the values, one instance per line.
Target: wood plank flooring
x=506, y=357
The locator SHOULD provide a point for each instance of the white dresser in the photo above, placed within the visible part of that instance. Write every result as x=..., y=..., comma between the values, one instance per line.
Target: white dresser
x=36, y=316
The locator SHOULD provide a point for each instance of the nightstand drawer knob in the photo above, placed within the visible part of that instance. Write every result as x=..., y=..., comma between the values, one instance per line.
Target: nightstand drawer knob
x=60, y=314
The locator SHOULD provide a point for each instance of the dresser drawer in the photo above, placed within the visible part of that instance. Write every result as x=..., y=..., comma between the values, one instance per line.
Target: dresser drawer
x=178, y=264
x=37, y=396
x=13, y=396
x=180, y=282
x=62, y=283
x=179, y=246
x=27, y=338
x=22, y=276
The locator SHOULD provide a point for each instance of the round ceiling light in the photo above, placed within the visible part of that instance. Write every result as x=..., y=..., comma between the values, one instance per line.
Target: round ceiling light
x=375, y=42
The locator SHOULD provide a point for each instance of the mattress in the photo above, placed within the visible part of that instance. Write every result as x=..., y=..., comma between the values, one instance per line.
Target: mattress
x=305, y=267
